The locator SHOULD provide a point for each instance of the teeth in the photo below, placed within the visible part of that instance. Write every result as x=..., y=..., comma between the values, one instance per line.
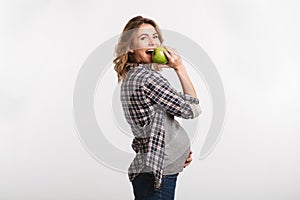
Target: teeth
x=149, y=51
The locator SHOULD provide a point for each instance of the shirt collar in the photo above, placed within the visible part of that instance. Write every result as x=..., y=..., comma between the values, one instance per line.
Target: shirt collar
x=150, y=66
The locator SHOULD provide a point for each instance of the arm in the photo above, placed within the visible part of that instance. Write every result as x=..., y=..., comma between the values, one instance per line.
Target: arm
x=185, y=81
x=187, y=86
x=158, y=91
x=175, y=62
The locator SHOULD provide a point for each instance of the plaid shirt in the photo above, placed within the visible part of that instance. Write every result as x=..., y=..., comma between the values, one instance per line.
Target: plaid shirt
x=146, y=95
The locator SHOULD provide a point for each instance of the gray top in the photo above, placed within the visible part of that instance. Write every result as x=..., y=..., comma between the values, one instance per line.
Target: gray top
x=177, y=144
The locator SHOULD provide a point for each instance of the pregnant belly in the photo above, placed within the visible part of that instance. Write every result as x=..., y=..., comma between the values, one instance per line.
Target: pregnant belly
x=176, y=150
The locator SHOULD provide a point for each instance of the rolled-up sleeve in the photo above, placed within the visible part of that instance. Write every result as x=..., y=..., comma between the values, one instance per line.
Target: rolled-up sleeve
x=159, y=91
x=194, y=103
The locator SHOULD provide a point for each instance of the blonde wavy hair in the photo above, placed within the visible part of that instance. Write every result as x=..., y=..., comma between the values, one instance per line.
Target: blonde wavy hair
x=123, y=57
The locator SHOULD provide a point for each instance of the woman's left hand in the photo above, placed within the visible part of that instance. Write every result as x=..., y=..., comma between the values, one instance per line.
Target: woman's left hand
x=188, y=160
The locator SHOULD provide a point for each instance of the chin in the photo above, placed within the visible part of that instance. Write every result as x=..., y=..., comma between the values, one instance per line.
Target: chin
x=147, y=61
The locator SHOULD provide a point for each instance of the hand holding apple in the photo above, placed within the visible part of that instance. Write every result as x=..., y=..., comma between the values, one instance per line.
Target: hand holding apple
x=158, y=55
x=167, y=57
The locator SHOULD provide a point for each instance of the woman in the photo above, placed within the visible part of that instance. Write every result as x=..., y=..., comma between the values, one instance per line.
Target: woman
x=150, y=103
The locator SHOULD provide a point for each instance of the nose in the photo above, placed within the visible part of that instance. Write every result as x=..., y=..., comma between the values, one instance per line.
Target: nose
x=150, y=42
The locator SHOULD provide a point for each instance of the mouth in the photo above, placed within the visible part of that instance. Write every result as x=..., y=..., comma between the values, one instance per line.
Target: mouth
x=149, y=51
x=149, y=54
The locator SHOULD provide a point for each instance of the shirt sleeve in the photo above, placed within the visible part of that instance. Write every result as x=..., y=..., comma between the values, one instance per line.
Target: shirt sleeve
x=159, y=91
x=194, y=103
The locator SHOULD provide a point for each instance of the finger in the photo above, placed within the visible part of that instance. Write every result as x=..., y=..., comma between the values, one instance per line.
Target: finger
x=167, y=53
x=189, y=160
x=163, y=66
x=185, y=165
x=170, y=56
x=172, y=51
x=190, y=155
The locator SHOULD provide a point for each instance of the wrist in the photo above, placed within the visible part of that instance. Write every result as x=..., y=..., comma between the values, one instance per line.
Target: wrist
x=179, y=68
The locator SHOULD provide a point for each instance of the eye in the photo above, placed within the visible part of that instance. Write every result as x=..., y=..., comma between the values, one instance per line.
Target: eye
x=155, y=37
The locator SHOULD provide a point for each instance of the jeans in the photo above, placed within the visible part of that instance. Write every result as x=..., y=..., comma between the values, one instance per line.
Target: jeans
x=143, y=187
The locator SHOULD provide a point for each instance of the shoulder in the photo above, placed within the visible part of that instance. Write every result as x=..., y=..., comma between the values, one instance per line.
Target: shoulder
x=143, y=73
x=156, y=77
x=139, y=72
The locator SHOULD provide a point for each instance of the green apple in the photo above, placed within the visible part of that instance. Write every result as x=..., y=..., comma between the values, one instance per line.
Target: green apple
x=158, y=56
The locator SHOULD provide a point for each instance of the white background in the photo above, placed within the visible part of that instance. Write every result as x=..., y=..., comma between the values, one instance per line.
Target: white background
x=254, y=45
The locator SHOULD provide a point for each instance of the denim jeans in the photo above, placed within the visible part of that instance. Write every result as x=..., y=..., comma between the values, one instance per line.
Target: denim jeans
x=143, y=187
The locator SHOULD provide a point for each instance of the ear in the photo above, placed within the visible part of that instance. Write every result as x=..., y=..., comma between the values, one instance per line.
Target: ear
x=130, y=49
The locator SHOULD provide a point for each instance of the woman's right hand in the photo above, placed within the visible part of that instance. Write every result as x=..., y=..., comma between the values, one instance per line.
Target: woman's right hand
x=175, y=62
x=174, y=59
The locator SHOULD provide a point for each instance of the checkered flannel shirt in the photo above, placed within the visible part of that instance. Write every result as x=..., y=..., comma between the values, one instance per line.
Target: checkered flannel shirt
x=146, y=95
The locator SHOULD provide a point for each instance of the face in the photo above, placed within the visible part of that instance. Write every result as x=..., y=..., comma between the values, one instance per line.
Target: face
x=144, y=42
